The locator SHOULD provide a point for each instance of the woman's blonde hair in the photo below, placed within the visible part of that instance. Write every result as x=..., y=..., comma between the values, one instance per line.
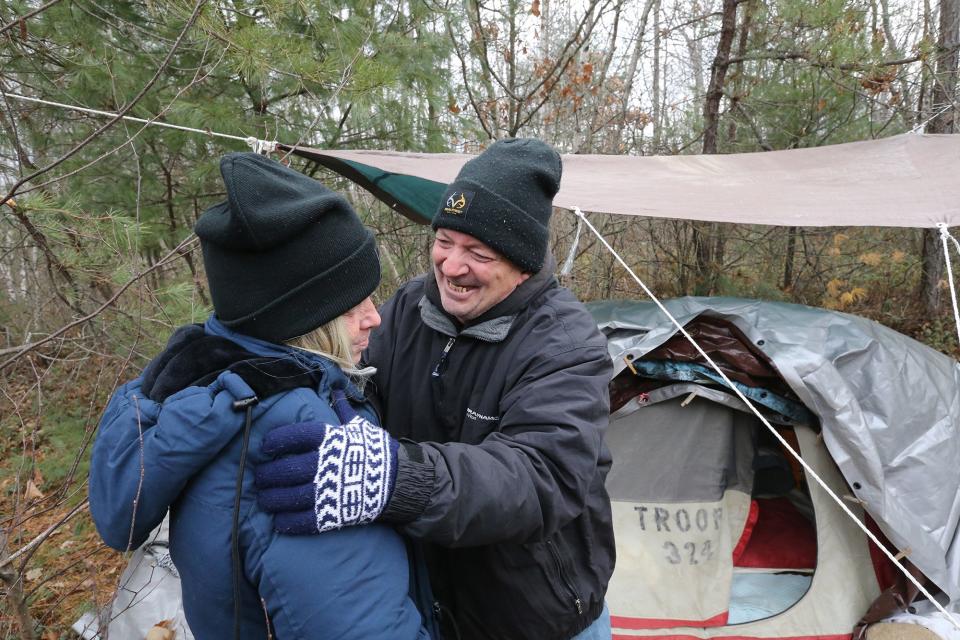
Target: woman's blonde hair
x=331, y=341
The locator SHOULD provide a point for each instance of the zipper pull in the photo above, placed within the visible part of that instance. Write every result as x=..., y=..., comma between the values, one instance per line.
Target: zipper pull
x=443, y=358
x=579, y=606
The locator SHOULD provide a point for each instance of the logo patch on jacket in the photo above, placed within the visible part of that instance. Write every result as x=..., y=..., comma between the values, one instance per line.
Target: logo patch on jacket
x=458, y=202
x=476, y=415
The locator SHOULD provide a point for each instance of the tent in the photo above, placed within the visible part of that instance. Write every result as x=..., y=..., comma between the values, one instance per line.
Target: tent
x=717, y=535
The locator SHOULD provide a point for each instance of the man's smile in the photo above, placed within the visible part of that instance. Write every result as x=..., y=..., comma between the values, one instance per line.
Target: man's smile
x=461, y=290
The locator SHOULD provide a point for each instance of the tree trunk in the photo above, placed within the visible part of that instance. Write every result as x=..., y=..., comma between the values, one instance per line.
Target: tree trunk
x=708, y=240
x=944, y=121
x=632, y=70
x=738, y=84
x=789, y=258
x=657, y=115
x=718, y=73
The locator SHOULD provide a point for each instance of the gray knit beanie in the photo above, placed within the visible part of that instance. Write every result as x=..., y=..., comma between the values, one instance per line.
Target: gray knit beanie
x=504, y=198
x=283, y=254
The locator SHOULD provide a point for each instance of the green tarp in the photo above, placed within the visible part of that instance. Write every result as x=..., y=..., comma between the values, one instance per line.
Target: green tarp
x=416, y=198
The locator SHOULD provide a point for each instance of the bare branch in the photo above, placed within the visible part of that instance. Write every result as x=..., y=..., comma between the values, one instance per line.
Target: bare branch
x=802, y=55
x=27, y=16
x=36, y=542
x=466, y=81
x=23, y=349
x=119, y=116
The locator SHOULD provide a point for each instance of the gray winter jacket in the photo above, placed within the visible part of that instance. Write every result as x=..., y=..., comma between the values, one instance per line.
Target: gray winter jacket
x=506, y=488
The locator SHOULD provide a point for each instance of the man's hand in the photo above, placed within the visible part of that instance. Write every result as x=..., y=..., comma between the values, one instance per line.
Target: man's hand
x=326, y=476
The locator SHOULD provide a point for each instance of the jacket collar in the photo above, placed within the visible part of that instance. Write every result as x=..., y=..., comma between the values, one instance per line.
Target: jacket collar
x=331, y=375
x=495, y=323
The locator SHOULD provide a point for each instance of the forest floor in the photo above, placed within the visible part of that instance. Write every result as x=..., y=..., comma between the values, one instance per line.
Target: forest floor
x=44, y=458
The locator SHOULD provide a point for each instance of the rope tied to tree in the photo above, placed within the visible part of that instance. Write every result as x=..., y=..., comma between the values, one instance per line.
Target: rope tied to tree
x=263, y=147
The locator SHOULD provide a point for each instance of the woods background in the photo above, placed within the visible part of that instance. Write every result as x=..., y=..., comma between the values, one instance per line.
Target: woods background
x=98, y=264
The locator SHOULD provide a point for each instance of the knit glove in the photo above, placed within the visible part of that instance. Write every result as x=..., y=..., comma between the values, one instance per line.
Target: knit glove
x=326, y=476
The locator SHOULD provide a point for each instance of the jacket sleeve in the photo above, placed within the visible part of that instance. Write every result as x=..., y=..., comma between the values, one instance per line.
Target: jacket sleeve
x=145, y=453
x=529, y=478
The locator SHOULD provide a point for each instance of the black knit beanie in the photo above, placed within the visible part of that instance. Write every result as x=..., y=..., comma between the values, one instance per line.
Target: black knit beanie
x=284, y=254
x=504, y=198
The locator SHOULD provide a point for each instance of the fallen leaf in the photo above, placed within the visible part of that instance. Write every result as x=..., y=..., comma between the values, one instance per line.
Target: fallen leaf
x=160, y=633
x=33, y=492
x=33, y=574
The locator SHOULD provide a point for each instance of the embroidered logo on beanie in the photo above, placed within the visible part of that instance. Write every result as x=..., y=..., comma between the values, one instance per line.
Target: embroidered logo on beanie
x=458, y=202
x=509, y=190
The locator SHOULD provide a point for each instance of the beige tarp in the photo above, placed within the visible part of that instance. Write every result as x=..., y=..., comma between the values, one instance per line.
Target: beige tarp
x=909, y=180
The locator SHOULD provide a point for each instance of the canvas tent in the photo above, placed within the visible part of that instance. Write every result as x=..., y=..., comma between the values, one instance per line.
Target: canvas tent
x=884, y=406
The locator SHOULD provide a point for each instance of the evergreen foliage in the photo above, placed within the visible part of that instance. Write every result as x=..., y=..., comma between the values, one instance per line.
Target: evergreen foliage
x=98, y=263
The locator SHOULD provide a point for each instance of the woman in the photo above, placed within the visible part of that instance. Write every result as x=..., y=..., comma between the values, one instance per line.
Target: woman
x=290, y=270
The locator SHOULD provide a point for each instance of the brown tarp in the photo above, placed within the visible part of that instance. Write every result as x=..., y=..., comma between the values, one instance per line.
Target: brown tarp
x=909, y=180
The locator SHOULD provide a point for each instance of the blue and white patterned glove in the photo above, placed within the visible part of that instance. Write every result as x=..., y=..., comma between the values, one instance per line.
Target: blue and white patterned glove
x=326, y=476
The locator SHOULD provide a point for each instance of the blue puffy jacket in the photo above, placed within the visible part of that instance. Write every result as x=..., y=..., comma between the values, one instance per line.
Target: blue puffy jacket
x=184, y=453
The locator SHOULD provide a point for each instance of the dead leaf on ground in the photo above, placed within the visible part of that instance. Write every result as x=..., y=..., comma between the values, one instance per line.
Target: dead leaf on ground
x=33, y=574
x=33, y=492
x=161, y=631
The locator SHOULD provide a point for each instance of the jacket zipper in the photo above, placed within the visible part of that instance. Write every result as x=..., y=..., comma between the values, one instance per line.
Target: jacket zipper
x=439, y=612
x=558, y=560
x=440, y=368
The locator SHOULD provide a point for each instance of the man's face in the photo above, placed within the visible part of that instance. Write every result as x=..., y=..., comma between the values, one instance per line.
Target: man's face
x=471, y=276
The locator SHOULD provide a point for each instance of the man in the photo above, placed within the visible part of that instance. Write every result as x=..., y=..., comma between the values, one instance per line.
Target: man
x=494, y=378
